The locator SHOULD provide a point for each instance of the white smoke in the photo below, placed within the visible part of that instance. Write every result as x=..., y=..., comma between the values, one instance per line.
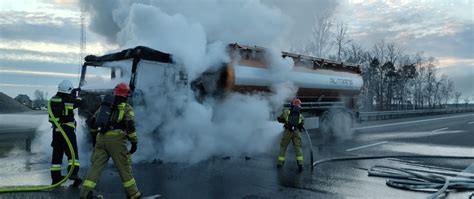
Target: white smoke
x=100, y=78
x=173, y=126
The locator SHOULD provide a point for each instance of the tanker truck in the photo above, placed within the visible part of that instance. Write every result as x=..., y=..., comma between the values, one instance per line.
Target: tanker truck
x=328, y=89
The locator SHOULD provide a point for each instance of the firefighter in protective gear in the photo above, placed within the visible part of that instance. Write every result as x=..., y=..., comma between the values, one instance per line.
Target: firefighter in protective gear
x=62, y=106
x=111, y=142
x=293, y=122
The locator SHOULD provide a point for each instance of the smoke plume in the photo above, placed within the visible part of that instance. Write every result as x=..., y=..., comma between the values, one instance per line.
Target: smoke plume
x=171, y=124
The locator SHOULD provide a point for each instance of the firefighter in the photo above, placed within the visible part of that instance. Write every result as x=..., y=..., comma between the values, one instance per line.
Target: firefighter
x=62, y=106
x=111, y=141
x=293, y=122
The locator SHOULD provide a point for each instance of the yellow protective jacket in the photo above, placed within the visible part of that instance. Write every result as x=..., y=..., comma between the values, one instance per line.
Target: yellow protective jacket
x=285, y=119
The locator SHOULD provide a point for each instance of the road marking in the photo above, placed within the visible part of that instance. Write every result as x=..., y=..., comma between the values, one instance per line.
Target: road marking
x=412, y=134
x=470, y=123
x=441, y=129
x=410, y=122
x=365, y=146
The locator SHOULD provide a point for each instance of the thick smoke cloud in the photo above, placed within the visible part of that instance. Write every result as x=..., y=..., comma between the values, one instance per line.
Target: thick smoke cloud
x=171, y=124
x=102, y=21
x=265, y=23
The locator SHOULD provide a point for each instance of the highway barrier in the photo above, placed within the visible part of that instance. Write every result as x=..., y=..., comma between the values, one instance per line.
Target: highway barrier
x=8, y=137
x=382, y=115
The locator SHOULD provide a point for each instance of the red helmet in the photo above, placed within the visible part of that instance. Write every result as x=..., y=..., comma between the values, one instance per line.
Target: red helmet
x=121, y=89
x=296, y=102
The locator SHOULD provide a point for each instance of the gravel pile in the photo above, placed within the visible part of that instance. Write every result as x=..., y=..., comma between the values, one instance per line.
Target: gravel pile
x=9, y=105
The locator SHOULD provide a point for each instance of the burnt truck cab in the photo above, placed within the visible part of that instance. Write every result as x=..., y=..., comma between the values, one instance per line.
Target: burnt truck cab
x=141, y=67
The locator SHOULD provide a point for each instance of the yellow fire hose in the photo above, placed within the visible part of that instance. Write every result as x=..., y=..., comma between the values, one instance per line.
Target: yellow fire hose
x=47, y=187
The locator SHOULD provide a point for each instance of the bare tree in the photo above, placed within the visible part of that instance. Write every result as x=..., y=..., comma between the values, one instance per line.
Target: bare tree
x=447, y=87
x=320, y=44
x=430, y=87
x=437, y=98
x=457, y=97
x=407, y=73
x=378, y=51
x=341, y=39
x=466, y=101
x=393, y=52
x=40, y=99
x=356, y=54
x=419, y=80
x=39, y=95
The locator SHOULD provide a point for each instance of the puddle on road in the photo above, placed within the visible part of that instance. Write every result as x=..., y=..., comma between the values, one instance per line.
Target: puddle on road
x=41, y=177
x=21, y=168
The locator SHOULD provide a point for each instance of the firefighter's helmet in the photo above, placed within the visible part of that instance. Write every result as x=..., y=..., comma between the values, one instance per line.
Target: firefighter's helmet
x=121, y=89
x=65, y=87
x=296, y=102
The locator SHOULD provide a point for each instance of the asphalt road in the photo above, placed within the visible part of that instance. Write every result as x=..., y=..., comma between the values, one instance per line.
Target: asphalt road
x=257, y=176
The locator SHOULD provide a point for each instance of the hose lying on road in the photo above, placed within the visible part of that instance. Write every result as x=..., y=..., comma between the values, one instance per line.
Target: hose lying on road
x=419, y=181
x=414, y=179
x=47, y=187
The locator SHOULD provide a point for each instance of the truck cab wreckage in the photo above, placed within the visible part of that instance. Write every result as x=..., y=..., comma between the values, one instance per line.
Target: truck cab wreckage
x=328, y=89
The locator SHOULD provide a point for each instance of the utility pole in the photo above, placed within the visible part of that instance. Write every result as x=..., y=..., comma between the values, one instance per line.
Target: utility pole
x=83, y=39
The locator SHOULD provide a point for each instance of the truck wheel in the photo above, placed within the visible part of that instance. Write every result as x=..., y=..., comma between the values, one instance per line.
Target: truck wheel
x=325, y=126
x=341, y=123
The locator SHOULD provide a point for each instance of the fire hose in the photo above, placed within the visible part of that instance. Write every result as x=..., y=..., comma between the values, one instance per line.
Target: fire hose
x=411, y=179
x=310, y=147
x=47, y=187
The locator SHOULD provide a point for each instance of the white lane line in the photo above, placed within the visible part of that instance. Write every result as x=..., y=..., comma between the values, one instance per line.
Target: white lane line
x=365, y=146
x=412, y=134
x=410, y=122
x=470, y=123
x=441, y=129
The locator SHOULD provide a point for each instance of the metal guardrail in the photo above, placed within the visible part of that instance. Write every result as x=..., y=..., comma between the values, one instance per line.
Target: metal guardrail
x=318, y=105
x=8, y=136
x=381, y=115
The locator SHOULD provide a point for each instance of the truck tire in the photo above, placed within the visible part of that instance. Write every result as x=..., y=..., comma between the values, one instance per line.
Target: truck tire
x=325, y=126
x=336, y=125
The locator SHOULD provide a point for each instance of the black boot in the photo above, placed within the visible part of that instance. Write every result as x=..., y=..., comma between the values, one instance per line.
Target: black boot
x=57, y=179
x=280, y=164
x=77, y=181
x=56, y=176
x=300, y=168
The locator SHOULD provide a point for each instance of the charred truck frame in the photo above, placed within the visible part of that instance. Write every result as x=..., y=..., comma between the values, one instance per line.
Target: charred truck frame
x=325, y=87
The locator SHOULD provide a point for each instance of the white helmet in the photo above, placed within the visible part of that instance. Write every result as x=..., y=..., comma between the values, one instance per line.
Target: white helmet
x=65, y=87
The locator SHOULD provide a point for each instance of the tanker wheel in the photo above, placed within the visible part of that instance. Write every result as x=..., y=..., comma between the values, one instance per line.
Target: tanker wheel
x=325, y=127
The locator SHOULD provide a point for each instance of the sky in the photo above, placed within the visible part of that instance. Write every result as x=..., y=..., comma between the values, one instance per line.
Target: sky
x=40, y=39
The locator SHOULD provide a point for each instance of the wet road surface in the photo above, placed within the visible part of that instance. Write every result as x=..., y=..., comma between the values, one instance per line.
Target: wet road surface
x=257, y=176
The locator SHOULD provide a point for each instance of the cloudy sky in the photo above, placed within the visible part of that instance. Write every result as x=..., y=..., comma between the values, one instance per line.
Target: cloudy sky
x=39, y=39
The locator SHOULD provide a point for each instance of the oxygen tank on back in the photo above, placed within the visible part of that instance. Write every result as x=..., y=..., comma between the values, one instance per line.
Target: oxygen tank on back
x=104, y=114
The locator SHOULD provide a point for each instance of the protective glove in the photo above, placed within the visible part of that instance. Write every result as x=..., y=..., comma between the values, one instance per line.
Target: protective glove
x=300, y=127
x=133, y=148
x=279, y=119
x=75, y=91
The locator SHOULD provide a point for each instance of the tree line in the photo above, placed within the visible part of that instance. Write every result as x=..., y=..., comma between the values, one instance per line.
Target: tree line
x=39, y=101
x=393, y=78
